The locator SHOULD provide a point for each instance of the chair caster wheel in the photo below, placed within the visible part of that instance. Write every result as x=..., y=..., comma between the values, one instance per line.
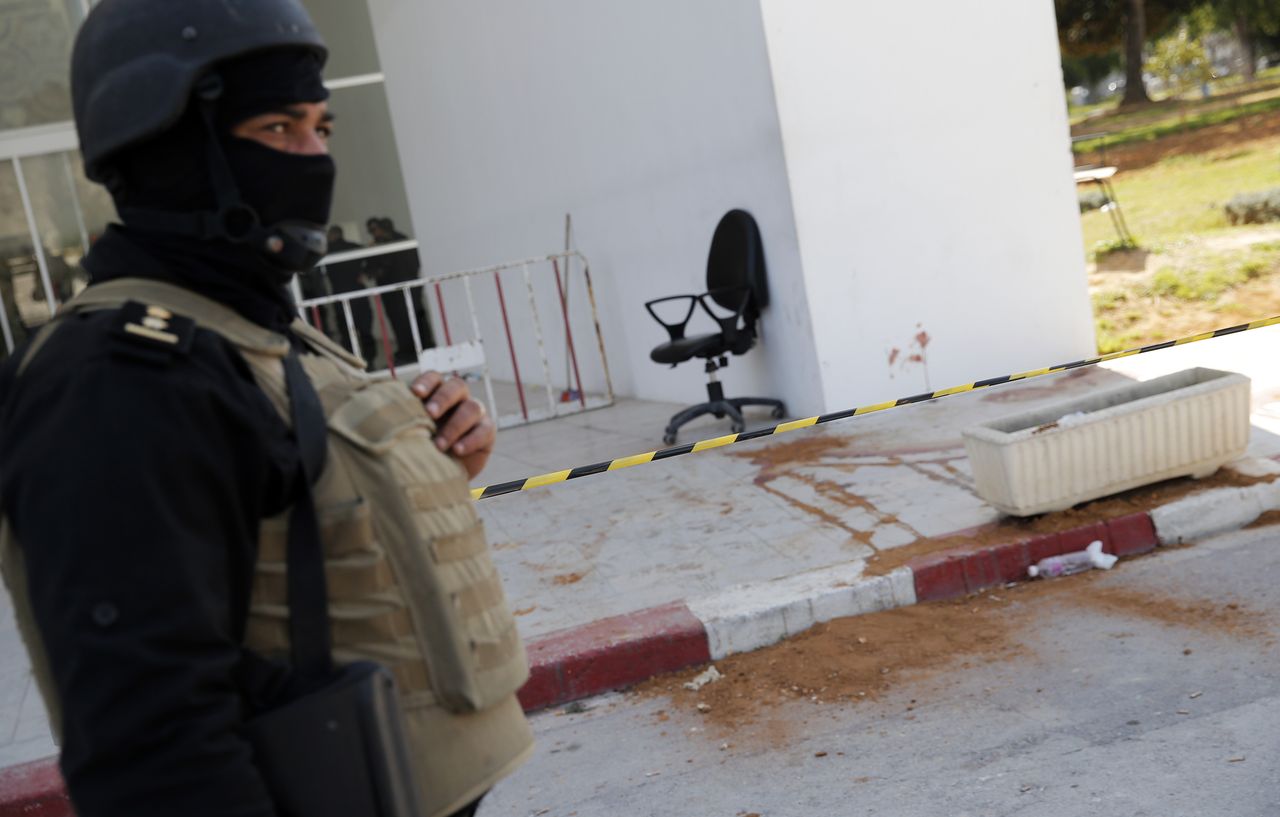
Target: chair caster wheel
x=778, y=413
x=669, y=438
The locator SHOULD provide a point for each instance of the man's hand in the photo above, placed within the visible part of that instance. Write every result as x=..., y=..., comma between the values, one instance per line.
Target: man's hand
x=463, y=427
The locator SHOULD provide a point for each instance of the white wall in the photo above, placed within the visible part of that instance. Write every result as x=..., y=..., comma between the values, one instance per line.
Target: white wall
x=646, y=121
x=929, y=161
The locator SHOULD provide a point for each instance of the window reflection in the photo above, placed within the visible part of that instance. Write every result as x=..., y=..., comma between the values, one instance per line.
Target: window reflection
x=60, y=226
x=17, y=261
x=35, y=50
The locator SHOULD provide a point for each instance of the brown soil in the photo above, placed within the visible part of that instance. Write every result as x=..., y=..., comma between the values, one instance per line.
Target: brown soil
x=1012, y=529
x=852, y=660
x=802, y=449
x=1229, y=619
x=1267, y=518
x=1152, y=319
x=781, y=459
x=568, y=578
x=815, y=446
x=842, y=661
x=1236, y=134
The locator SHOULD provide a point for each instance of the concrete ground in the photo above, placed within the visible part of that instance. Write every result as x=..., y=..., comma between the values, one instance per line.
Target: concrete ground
x=580, y=551
x=1139, y=692
x=675, y=529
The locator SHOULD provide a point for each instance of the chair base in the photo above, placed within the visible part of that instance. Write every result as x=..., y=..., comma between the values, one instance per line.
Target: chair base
x=726, y=407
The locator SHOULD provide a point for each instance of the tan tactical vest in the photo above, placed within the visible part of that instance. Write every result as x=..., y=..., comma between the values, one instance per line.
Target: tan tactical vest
x=410, y=578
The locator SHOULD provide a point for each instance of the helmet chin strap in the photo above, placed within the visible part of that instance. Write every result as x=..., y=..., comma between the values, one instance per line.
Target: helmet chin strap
x=291, y=245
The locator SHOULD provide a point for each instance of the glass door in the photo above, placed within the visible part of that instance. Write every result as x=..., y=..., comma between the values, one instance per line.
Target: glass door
x=49, y=217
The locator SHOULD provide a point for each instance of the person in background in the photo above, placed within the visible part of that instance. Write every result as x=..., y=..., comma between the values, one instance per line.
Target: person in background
x=399, y=268
x=346, y=276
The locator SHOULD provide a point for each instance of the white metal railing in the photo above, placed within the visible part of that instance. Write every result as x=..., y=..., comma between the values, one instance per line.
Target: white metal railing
x=461, y=346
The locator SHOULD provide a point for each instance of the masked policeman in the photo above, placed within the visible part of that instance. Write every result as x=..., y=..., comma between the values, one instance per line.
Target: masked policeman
x=148, y=459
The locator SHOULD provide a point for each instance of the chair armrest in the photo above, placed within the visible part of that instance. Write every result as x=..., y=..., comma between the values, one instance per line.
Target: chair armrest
x=675, y=330
x=728, y=324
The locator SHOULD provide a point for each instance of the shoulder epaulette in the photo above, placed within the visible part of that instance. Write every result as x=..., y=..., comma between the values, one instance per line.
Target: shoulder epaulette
x=152, y=333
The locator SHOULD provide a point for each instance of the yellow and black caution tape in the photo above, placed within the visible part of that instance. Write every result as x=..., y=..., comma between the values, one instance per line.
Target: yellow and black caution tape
x=781, y=428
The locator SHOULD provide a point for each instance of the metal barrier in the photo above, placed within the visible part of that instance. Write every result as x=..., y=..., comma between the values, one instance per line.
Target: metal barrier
x=393, y=327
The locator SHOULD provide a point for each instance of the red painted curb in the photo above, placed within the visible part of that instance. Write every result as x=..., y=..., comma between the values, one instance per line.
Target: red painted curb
x=954, y=573
x=1132, y=534
x=34, y=790
x=612, y=653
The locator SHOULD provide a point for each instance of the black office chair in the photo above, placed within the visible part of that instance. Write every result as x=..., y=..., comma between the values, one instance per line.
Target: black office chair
x=735, y=282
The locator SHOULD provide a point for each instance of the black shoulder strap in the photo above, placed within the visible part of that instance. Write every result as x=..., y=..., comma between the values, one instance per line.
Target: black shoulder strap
x=308, y=596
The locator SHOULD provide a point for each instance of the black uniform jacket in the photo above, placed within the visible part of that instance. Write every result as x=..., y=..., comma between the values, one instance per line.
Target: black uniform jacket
x=135, y=477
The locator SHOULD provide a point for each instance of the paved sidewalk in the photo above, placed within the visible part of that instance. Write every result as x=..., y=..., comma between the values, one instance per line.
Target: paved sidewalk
x=711, y=528
x=832, y=495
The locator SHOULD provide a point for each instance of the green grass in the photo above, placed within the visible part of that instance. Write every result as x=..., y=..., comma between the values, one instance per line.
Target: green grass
x=1204, y=278
x=1114, y=339
x=1103, y=248
x=1183, y=195
x=1212, y=275
x=1079, y=113
x=1175, y=120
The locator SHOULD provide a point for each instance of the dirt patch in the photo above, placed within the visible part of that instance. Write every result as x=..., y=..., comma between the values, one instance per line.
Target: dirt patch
x=568, y=578
x=1142, y=318
x=1012, y=529
x=787, y=457
x=854, y=660
x=818, y=446
x=1024, y=394
x=1268, y=518
x=1224, y=618
x=843, y=661
x=1232, y=136
x=802, y=449
x=1124, y=261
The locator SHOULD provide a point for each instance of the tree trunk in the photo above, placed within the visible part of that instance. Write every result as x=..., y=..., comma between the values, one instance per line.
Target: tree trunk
x=1135, y=37
x=1245, y=35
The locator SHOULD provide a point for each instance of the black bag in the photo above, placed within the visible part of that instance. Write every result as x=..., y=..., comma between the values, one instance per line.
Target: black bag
x=337, y=750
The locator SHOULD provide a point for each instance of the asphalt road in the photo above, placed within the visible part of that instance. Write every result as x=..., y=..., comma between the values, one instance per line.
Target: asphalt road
x=1166, y=706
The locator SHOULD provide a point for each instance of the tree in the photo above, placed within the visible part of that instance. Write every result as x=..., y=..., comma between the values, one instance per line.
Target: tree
x=1101, y=26
x=1248, y=19
x=1088, y=70
x=1179, y=59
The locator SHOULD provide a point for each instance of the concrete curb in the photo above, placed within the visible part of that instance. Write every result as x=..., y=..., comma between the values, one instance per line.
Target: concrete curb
x=748, y=617
x=1213, y=512
x=618, y=652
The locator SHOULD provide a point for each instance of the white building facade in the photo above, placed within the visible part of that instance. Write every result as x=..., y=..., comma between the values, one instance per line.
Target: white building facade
x=919, y=231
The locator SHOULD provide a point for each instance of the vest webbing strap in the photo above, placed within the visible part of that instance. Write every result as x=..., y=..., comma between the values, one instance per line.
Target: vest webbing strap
x=309, y=639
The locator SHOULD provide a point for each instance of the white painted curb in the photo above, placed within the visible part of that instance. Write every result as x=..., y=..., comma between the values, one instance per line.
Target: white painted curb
x=1212, y=512
x=750, y=616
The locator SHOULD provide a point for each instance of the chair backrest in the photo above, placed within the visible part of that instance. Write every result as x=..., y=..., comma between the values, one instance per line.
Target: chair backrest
x=737, y=260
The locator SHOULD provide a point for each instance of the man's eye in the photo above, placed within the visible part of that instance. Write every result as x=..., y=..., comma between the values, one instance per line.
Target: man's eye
x=325, y=131
x=276, y=127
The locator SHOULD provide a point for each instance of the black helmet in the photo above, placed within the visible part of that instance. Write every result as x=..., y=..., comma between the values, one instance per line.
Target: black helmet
x=136, y=62
x=136, y=69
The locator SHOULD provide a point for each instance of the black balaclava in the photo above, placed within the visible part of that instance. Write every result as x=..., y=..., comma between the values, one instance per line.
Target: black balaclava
x=174, y=174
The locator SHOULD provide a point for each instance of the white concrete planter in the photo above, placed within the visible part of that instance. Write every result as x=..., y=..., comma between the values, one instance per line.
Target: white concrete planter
x=1184, y=424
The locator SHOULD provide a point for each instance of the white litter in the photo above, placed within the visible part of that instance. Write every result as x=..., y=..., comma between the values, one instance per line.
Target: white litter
x=1075, y=418
x=1069, y=563
x=704, y=678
